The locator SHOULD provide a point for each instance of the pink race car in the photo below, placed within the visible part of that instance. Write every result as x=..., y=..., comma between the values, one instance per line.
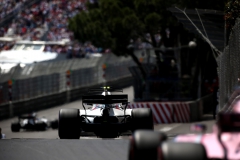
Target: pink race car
x=222, y=143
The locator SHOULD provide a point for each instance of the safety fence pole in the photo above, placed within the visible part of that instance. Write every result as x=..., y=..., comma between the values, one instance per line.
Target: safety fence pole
x=104, y=76
x=10, y=82
x=1, y=94
x=104, y=66
x=68, y=85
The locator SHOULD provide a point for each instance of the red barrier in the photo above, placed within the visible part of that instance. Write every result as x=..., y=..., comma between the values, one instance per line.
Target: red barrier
x=181, y=112
x=166, y=112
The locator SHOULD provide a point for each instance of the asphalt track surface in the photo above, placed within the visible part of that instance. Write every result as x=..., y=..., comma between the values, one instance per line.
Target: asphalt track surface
x=44, y=145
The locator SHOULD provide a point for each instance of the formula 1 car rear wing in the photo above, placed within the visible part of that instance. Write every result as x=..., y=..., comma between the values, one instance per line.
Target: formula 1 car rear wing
x=27, y=116
x=107, y=99
x=102, y=89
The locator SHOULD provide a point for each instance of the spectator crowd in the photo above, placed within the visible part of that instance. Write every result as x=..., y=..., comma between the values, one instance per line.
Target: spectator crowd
x=76, y=50
x=44, y=20
x=10, y=6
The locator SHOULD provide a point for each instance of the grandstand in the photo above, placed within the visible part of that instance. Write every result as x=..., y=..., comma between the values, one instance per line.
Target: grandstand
x=28, y=52
x=44, y=20
x=38, y=20
x=39, y=26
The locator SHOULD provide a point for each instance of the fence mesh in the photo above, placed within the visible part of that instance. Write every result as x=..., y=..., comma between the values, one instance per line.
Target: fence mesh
x=229, y=67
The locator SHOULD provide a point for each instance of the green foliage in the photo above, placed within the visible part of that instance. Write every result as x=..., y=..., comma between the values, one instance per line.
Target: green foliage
x=113, y=23
x=153, y=21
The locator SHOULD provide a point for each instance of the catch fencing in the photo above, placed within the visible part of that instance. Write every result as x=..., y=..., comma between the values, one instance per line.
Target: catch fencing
x=47, y=78
x=229, y=68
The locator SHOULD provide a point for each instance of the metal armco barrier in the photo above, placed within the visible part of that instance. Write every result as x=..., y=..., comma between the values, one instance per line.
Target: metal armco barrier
x=167, y=112
x=47, y=78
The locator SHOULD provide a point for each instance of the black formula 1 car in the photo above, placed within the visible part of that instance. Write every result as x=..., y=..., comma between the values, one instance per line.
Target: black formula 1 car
x=33, y=122
x=107, y=116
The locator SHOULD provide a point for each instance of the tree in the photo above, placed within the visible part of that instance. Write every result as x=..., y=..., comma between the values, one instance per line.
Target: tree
x=114, y=23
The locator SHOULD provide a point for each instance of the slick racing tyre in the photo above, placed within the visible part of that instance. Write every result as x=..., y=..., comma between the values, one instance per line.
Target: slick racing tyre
x=69, y=124
x=181, y=150
x=144, y=145
x=142, y=118
x=15, y=127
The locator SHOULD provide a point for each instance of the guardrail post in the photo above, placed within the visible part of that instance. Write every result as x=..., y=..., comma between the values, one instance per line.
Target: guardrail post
x=146, y=95
x=10, y=98
x=104, y=66
x=68, y=85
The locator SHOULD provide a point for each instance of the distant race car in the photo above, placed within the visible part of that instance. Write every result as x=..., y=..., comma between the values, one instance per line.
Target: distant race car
x=32, y=122
x=107, y=116
x=222, y=144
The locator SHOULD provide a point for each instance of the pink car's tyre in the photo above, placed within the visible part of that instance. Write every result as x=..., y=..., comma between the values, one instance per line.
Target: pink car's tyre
x=144, y=145
x=69, y=124
x=181, y=150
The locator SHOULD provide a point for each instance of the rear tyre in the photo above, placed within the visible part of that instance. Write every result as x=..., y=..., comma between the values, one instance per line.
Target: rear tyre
x=15, y=127
x=69, y=124
x=144, y=145
x=182, y=150
x=142, y=118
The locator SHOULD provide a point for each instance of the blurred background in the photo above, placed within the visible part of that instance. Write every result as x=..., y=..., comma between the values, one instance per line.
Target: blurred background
x=182, y=54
